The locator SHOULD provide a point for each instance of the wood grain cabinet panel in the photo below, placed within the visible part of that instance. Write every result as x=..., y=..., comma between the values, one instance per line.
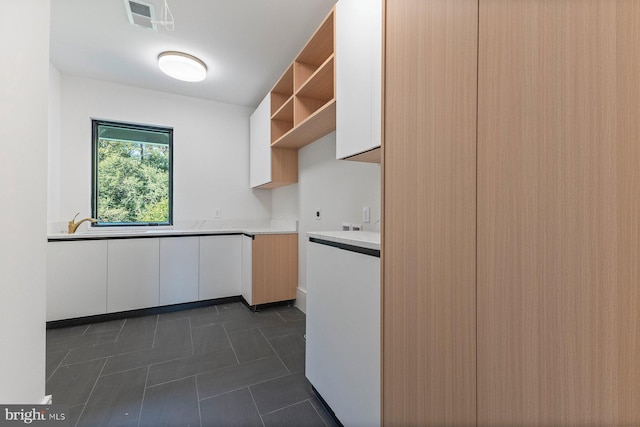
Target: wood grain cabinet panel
x=274, y=268
x=428, y=255
x=558, y=213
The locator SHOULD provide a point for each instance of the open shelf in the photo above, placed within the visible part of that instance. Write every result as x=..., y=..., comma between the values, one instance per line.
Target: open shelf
x=285, y=113
x=321, y=122
x=321, y=84
x=321, y=44
x=282, y=91
x=303, y=105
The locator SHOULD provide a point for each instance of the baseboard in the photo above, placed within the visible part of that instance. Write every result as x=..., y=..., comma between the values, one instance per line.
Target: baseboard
x=139, y=312
x=301, y=300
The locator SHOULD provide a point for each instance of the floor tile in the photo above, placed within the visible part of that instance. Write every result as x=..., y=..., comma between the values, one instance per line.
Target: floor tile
x=230, y=409
x=100, y=351
x=139, y=328
x=281, y=392
x=256, y=320
x=288, y=328
x=55, y=345
x=301, y=414
x=71, y=331
x=291, y=349
x=71, y=385
x=138, y=359
x=232, y=306
x=53, y=360
x=250, y=345
x=74, y=414
x=114, y=325
x=173, y=333
x=323, y=412
x=290, y=314
x=209, y=338
x=232, y=378
x=204, y=319
x=192, y=365
x=179, y=314
x=116, y=400
x=171, y=404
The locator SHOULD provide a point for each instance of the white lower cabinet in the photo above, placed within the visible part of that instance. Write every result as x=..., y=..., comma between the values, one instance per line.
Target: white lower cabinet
x=90, y=277
x=179, y=270
x=76, y=279
x=133, y=274
x=343, y=332
x=220, y=271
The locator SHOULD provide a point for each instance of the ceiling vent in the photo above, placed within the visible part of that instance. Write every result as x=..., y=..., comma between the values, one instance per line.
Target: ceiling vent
x=141, y=13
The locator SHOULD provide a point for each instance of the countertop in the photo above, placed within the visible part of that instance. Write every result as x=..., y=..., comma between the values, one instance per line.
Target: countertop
x=362, y=239
x=162, y=231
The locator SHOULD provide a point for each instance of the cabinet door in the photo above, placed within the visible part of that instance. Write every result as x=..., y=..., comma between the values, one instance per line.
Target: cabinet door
x=358, y=76
x=179, y=270
x=220, y=267
x=275, y=268
x=247, y=291
x=133, y=274
x=558, y=213
x=343, y=332
x=76, y=279
x=429, y=167
x=260, y=144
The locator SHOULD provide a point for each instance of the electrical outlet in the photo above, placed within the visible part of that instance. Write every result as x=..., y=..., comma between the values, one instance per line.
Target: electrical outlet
x=217, y=213
x=346, y=226
x=318, y=214
x=366, y=214
x=356, y=227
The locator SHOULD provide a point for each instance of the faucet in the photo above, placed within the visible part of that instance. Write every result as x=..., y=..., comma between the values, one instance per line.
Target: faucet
x=73, y=226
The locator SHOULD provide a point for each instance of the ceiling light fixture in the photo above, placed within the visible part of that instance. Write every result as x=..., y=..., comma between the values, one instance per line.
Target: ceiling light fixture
x=182, y=66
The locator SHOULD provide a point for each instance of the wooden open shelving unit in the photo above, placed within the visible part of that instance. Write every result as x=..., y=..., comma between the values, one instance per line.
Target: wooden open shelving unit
x=303, y=101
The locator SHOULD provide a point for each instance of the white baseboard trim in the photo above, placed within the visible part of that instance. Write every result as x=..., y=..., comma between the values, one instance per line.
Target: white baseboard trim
x=47, y=400
x=301, y=299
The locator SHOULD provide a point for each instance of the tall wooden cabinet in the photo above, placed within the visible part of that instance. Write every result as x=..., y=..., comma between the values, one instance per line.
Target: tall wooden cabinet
x=559, y=213
x=511, y=244
x=429, y=363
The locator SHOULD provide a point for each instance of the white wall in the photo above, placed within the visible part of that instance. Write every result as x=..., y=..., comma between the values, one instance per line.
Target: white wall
x=53, y=187
x=24, y=76
x=340, y=188
x=210, y=146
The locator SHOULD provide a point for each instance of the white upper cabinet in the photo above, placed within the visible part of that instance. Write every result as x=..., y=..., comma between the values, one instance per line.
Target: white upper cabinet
x=260, y=144
x=358, y=76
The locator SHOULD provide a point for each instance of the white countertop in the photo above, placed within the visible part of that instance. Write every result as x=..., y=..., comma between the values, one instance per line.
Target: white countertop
x=363, y=239
x=275, y=227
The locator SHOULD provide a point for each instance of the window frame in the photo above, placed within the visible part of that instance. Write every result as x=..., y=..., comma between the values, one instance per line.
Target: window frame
x=95, y=124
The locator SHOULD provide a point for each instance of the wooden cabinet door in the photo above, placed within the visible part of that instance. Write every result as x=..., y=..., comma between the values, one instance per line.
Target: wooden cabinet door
x=558, y=213
x=274, y=268
x=429, y=353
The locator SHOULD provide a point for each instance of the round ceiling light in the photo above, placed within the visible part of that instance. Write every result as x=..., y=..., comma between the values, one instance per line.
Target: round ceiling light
x=182, y=66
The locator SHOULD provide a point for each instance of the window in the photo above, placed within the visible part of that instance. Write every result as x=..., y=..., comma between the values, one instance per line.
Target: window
x=132, y=174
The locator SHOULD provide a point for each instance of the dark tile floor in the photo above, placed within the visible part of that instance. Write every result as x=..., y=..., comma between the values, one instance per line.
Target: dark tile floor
x=214, y=366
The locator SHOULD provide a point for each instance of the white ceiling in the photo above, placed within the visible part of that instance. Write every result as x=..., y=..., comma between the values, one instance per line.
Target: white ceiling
x=246, y=44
